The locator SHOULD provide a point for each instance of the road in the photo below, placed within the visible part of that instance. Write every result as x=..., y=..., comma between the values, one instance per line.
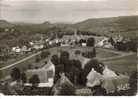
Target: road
x=120, y=54
x=20, y=61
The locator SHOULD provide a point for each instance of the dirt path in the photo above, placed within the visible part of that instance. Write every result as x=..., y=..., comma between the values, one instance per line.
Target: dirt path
x=120, y=54
x=20, y=61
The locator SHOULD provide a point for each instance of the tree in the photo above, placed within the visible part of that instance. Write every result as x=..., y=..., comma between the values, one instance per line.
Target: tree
x=82, y=41
x=23, y=77
x=1, y=74
x=38, y=58
x=111, y=41
x=90, y=54
x=90, y=42
x=67, y=89
x=58, y=70
x=45, y=54
x=64, y=59
x=73, y=71
x=15, y=74
x=133, y=83
x=60, y=35
x=34, y=80
x=55, y=59
x=77, y=52
x=76, y=63
x=94, y=52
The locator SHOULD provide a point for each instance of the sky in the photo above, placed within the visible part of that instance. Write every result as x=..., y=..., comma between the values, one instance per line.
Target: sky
x=38, y=11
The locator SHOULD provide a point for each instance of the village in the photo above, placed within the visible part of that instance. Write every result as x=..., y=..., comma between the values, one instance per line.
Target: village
x=44, y=42
x=33, y=60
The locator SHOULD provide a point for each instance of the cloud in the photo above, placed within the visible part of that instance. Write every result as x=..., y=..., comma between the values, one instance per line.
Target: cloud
x=43, y=10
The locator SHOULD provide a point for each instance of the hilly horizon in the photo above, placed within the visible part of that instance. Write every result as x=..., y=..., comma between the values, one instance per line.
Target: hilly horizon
x=126, y=25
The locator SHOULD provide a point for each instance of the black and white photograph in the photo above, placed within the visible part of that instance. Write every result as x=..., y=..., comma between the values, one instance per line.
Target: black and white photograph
x=68, y=47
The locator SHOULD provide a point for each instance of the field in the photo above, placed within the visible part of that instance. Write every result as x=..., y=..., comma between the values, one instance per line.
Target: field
x=121, y=62
x=124, y=64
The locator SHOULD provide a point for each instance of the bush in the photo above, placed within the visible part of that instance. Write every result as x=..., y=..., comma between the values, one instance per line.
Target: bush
x=120, y=46
x=111, y=41
x=37, y=59
x=34, y=80
x=74, y=70
x=77, y=52
x=127, y=46
x=23, y=77
x=15, y=74
x=89, y=54
x=75, y=63
x=1, y=74
x=64, y=59
x=133, y=83
x=55, y=60
x=30, y=66
x=45, y=54
x=67, y=89
x=132, y=45
x=82, y=41
x=58, y=69
x=90, y=42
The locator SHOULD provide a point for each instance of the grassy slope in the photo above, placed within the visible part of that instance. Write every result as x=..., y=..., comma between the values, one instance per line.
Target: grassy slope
x=126, y=25
x=124, y=65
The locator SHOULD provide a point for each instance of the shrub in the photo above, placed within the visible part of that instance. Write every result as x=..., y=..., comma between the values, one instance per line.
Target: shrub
x=37, y=59
x=15, y=74
x=132, y=45
x=74, y=70
x=82, y=41
x=58, y=69
x=120, y=46
x=45, y=54
x=67, y=89
x=64, y=58
x=77, y=52
x=30, y=66
x=111, y=41
x=90, y=42
x=34, y=80
x=1, y=74
x=23, y=77
x=76, y=63
x=133, y=83
x=89, y=54
x=55, y=59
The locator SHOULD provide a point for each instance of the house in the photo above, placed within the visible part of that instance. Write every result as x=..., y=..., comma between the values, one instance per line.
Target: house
x=83, y=44
x=104, y=43
x=31, y=43
x=16, y=49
